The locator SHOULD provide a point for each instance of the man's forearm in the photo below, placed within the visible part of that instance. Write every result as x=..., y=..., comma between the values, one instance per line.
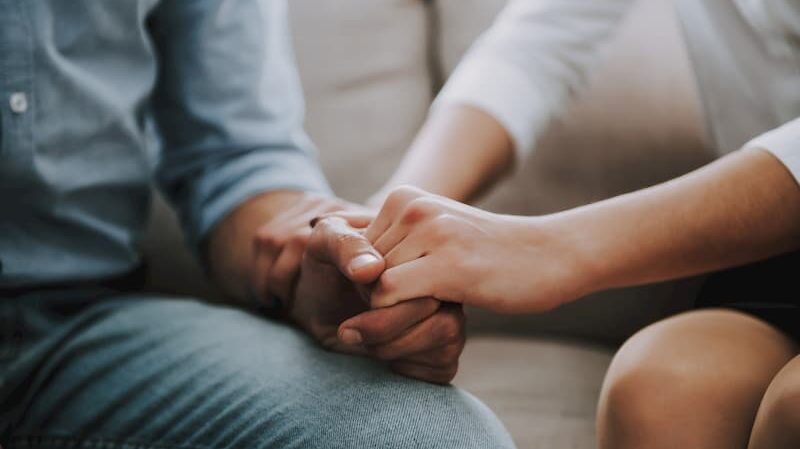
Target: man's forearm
x=229, y=249
x=459, y=153
x=740, y=209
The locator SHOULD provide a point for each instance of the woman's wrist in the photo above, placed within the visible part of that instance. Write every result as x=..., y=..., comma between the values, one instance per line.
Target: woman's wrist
x=570, y=250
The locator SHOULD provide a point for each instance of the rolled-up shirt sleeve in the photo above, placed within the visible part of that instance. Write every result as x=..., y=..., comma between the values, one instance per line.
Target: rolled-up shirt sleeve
x=523, y=69
x=783, y=143
x=228, y=107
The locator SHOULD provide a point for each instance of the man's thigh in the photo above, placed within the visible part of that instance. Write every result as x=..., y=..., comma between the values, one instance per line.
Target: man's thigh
x=163, y=373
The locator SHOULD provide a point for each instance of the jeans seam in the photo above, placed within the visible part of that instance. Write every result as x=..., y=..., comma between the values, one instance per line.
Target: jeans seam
x=44, y=441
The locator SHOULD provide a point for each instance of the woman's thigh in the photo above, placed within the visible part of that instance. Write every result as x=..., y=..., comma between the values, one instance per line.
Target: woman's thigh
x=160, y=373
x=693, y=380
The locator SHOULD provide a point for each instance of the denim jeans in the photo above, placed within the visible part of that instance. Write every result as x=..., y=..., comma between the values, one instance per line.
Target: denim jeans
x=88, y=369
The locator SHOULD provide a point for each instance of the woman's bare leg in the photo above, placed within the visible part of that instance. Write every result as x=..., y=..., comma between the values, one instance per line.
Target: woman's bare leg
x=778, y=421
x=690, y=381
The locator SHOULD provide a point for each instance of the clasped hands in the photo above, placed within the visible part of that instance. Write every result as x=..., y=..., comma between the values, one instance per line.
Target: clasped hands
x=392, y=286
x=324, y=277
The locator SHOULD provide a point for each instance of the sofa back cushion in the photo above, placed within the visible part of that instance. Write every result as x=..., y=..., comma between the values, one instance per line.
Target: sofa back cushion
x=364, y=66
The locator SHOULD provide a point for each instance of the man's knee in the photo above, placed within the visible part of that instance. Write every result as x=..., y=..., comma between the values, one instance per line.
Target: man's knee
x=213, y=370
x=398, y=413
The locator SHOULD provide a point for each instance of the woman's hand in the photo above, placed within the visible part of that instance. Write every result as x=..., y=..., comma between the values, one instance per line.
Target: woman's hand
x=437, y=247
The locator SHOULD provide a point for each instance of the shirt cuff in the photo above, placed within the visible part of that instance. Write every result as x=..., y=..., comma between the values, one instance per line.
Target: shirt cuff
x=505, y=92
x=247, y=176
x=783, y=143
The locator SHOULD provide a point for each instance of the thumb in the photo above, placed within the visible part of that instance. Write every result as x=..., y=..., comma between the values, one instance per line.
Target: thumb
x=335, y=242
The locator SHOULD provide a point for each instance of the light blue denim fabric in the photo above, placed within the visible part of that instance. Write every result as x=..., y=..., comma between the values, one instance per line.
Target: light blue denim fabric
x=87, y=371
x=79, y=82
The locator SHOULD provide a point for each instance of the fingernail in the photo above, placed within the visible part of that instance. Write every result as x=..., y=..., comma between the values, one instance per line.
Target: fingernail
x=362, y=261
x=350, y=337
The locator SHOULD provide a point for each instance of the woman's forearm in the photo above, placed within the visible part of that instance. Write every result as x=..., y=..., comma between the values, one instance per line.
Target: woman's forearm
x=740, y=209
x=459, y=153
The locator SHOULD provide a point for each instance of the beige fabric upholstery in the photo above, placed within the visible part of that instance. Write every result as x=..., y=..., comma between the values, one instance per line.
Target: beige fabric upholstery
x=545, y=391
x=365, y=73
x=460, y=23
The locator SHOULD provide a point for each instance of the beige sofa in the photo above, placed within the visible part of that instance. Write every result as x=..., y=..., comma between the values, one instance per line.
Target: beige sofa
x=370, y=69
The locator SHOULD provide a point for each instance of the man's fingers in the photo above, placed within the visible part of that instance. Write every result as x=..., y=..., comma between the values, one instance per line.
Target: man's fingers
x=279, y=246
x=440, y=375
x=437, y=358
x=284, y=272
x=335, y=242
x=378, y=326
x=333, y=344
x=358, y=220
x=264, y=255
x=437, y=340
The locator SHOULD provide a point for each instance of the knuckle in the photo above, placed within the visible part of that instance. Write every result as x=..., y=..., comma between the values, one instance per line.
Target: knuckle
x=267, y=237
x=384, y=353
x=450, y=374
x=401, y=195
x=443, y=227
x=374, y=328
x=387, y=283
x=419, y=210
x=299, y=239
x=325, y=224
x=449, y=328
x=451, y=353
x=347, y=239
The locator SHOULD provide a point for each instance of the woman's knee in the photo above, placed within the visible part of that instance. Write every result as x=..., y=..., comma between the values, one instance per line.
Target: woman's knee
x=682, y=369
x=778, y=421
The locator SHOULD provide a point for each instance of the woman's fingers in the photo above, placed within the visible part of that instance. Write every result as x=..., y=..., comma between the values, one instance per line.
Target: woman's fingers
x=419, y=278
x=394, y=205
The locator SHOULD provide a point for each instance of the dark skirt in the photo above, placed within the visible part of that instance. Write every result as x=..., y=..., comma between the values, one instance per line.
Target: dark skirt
x=768, y=290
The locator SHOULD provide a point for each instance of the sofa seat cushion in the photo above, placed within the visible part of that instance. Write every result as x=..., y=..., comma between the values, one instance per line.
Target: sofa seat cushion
x=545, y=391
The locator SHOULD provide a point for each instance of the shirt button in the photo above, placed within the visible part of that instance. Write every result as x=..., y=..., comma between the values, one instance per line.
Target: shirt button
x=18, y=102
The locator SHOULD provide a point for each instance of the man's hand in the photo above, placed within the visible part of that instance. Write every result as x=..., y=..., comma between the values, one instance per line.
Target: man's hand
x=261, y=249
x=422, y=338
x=281, y=219
x=280, y=243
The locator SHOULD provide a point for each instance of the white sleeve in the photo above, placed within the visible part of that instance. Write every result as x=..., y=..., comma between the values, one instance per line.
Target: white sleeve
x=524, y=68
x=784, y=143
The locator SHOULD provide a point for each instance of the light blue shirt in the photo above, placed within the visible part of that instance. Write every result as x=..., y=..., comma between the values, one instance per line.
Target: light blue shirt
x=81, y=81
